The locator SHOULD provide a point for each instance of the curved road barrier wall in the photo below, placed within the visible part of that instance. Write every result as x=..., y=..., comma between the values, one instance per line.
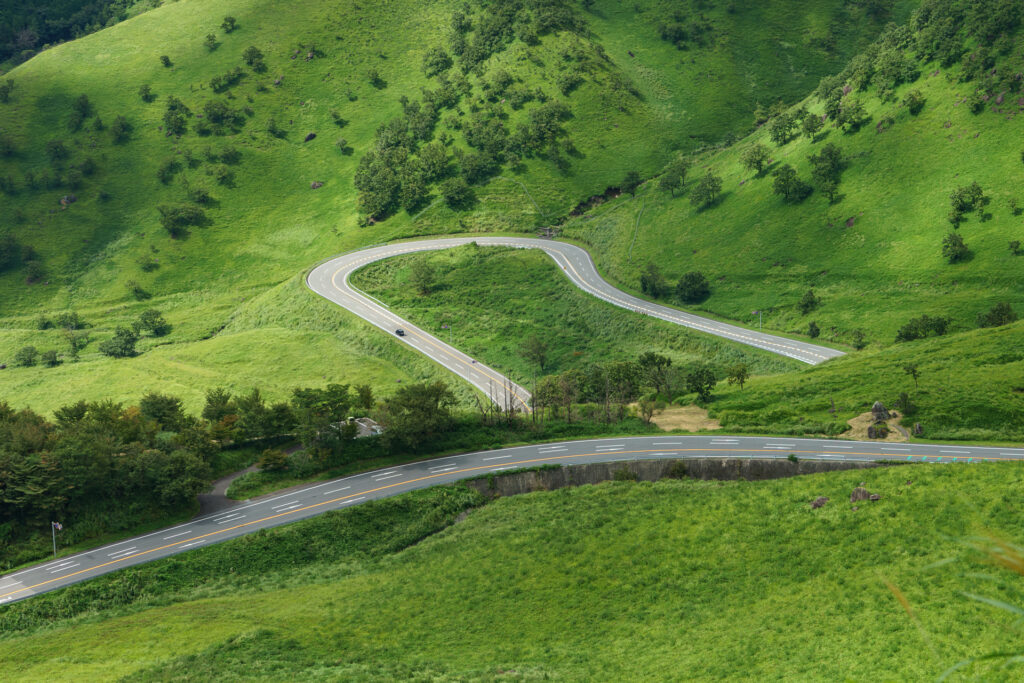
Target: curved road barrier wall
x=723, y=469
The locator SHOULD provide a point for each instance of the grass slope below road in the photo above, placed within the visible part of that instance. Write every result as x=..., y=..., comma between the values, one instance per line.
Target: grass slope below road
x=971, y=387
x=609, y=582
x=276, y=339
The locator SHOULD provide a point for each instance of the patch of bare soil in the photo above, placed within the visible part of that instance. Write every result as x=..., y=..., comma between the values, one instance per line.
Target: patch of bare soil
x=690, y=418
x=859, y=428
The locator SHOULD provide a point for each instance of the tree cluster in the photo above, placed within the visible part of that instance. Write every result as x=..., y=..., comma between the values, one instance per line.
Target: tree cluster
x=922, y=327
x=605, y=390
x=692, y=287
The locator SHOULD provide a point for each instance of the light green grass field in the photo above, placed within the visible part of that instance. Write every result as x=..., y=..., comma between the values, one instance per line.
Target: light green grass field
x=679, y=579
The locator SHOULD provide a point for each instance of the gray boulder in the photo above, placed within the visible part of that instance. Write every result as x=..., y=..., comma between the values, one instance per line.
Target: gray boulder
x=860, y=493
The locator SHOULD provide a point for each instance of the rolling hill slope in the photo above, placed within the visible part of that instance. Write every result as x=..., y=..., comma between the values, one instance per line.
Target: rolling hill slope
x=618, y=581
x=242, y=172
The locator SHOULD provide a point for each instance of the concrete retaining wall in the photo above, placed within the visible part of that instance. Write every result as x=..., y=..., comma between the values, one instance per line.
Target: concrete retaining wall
x=652, y=470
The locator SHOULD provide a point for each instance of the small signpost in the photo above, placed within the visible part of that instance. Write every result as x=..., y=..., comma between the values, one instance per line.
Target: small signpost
x=54, y=528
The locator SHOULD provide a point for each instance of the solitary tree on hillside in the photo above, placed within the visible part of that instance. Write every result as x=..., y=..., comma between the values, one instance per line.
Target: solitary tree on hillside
x=1000, y=314
x=254, y=58
x=707, y=190
x=756, y=157
x=954, y=248
x=789, y=185
x=649, y=404
x=738, y=374
x=229, y=24
x=808, y=302
x=914, y=102
x=152, y=321
x=701, y=381
x=422, y=275
x=911, y=369
x=375, y=79
x=673, y=176
x=121, y=345
x=812, y=123
x=780, y=128
x=535, y=350
x=121, y=130
x=655, y=370
x=652, y=281
x=693, y=287
x=26, y=356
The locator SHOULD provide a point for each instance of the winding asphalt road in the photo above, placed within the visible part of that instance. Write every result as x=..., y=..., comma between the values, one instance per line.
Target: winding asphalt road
x=331, y=281
x=309, y=501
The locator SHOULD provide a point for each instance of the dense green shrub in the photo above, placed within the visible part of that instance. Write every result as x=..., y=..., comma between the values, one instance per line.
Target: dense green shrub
x=925, y=326
x=121, y=345
x=26, y=356
x=1000, y=314
x=693, y=287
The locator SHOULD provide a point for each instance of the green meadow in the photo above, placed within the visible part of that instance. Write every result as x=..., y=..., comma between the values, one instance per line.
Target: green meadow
x=677, y=579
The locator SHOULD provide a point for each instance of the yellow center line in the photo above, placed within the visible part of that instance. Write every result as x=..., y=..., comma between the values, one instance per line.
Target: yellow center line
x=444, y=474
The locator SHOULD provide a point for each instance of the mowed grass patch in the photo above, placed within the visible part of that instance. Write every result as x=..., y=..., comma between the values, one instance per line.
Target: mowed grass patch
x=608, y=582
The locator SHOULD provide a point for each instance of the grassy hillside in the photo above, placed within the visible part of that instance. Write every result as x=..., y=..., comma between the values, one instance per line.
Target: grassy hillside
x=608, y=582
x=874, y=255
x=493, y=299
x=263, y=223
x=970, y=384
